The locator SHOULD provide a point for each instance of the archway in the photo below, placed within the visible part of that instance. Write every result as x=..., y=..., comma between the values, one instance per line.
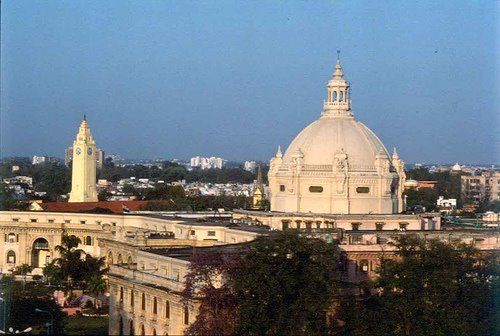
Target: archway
x=11, y=257
x=119, y=260
x=41, y=253
x=110, y=258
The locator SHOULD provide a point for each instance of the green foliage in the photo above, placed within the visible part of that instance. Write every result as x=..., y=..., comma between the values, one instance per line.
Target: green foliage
x=84, y=325
x=280, y=285
x=433, y=288
x=74, y=266
x=22, y=269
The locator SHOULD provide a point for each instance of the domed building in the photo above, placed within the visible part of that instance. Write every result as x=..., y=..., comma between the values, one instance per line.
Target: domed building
x=337, y=165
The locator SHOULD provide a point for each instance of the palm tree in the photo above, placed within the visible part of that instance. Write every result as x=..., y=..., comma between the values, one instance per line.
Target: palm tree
x=96, y=285
x=70, y=261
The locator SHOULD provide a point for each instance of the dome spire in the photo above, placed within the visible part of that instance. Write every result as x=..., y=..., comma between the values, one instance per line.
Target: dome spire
x=338, y=102
x=278, y=153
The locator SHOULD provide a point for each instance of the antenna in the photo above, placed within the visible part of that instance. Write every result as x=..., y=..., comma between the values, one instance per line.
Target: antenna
x=338, y=54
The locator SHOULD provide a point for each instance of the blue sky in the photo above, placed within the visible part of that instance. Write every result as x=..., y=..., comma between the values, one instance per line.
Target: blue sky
x=238, y=78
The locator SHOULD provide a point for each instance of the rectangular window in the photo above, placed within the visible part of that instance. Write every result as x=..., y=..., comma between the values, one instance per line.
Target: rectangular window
x=33, y=220
x=362, y=190
x=355, y=226
x=15, y=219
x=282, y=187
x=51, y=221
x=67, y=221
x=315, y=189
x=211, y=233
x=192, y=232
x=82, y=222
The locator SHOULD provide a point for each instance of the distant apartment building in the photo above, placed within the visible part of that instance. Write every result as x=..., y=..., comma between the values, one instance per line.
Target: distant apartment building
x=207, y=162
x=43, y=159
x=484, y=187
x=250, y=166
x=99, y=157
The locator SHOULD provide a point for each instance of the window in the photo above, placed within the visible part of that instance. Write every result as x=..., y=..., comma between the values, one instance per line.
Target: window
x=11, y=257
x=315, y=189
x=192, y=232
x=155, y=305
x=362, y=190
x=132, y=298
x=121, y=294
x=33, y=220
x=67, y=221
x=186, y=315
x=11, y=238
x=167, y=309
x=286, y=224
x=355, y=226
x=379, y=226
x=88, y=240
x=143, y=301
x=282, y=187
x=15, y=219
x=363, y=265
x=131, y=331
x=403, y=225
x=341, y=95
x=82, y=222
x=334, y=95
x=211, y=233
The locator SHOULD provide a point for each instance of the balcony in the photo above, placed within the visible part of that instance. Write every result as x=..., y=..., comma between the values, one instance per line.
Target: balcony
x=145, y=277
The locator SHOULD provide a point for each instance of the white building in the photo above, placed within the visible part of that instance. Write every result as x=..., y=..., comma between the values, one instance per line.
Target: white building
x=446, y=205
x=207, y=162
x=38, y=159
x=250, y=166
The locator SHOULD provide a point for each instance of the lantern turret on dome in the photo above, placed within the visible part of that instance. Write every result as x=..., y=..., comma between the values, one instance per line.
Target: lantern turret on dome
x=338, y=102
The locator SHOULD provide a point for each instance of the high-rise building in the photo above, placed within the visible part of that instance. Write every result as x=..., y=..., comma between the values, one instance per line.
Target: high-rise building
x=83, y=179
x=207, y=163
x=484, y=187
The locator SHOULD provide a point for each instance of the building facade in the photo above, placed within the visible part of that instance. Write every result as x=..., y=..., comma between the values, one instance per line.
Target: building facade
x=483, y=187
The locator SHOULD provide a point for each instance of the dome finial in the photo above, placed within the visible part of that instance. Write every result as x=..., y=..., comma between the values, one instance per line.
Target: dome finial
x=278, y=153
x=395, y=154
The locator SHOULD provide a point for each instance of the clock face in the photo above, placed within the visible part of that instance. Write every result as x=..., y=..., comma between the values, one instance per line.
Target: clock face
x=78, y=151
x=89, y=151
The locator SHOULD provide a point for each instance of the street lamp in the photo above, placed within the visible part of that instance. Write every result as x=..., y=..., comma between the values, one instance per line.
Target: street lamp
x=50, y=327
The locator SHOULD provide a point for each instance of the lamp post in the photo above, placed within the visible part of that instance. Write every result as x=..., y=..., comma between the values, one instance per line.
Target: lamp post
x=50, y=327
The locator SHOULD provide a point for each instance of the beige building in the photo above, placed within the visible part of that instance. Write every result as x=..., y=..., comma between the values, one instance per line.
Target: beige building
x=337, y=165
x=484, y=187
x=83, y=178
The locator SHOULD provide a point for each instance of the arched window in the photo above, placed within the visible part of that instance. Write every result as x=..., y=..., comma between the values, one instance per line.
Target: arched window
x=88, y=240
x=155, y=305
x=341, y=95
x=119, y=260
x=167, y=309
x=186, y=315
x=143, y=301
x=363, y=265
x=110, y=258
x=334, y=95
x=11, y=257
x=11, y=238
x=154, y=332
x=131, y=330
x=132, y=298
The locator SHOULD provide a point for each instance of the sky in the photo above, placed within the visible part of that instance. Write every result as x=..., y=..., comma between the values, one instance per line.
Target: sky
x=235, y=79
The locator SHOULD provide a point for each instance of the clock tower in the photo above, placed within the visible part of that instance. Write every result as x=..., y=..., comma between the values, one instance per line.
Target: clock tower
x=83, y=179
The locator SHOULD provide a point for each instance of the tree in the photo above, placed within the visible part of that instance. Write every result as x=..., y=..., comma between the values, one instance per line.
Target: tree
x=431, y=288
x=96, y=285
x=23, y=270
x=70, y=262
x=275, y=285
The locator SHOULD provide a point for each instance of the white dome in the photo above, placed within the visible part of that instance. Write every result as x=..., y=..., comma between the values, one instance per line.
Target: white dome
x=456, y=167
x=325, y=137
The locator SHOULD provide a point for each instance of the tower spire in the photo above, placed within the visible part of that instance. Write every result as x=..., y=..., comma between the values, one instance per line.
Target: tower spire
x=338, y=102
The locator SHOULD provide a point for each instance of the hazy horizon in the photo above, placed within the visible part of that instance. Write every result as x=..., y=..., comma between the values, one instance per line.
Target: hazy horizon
x=237, y=79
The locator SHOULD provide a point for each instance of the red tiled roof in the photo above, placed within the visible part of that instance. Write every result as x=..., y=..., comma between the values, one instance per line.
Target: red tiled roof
x=115, y=206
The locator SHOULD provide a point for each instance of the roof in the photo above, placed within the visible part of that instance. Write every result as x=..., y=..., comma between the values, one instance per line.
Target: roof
x=116, y=207
x=185, y=253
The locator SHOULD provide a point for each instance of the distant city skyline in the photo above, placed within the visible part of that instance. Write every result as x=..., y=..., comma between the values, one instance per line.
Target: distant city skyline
x=235, y=80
